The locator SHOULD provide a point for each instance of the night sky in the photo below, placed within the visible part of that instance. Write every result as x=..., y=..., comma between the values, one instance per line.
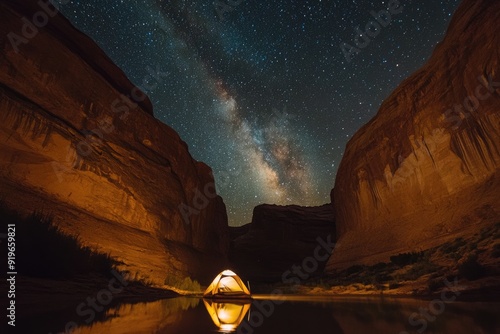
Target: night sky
x=262, y=91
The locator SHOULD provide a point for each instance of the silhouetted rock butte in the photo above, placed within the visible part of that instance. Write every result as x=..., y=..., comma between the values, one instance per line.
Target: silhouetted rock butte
x=279, y=237
x=118, y=189
x=416, y=175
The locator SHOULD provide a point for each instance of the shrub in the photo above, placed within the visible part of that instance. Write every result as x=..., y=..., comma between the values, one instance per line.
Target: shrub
x=404, y=259
x=451, y=247
x=379, y=266
x=496, y=251
x=186, y=283
x=436, y=284
x=354, y=269
x=471, y=269
x=394, y=285
x=419, y=269
x=190, y=285
x=382, y=277
x=323, y=284
x=43, y=250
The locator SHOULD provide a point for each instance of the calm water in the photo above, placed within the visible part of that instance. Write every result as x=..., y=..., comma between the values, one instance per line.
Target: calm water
x=347, y=315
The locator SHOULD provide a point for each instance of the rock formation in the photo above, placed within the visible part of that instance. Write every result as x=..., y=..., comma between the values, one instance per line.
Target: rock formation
x=426, y=168
x=279, y=237
x=79, y=141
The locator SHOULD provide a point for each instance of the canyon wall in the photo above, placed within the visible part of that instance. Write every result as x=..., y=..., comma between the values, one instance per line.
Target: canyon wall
x=426, y=168
x=79, y=141
x=278, y=238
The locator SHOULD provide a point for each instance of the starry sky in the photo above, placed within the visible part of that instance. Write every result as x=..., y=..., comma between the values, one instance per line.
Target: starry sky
x=262, y=91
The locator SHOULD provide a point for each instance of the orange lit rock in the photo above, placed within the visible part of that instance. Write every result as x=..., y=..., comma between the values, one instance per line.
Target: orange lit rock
x=426, y=168
x=73, y=146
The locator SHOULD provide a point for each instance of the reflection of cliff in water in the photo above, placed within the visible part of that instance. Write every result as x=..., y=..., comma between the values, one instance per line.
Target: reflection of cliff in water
x=293, y=314
x=143, y=317
x=392, y=316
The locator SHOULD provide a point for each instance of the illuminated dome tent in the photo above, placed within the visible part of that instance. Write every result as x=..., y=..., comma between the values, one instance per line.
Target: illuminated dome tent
x=227, y=285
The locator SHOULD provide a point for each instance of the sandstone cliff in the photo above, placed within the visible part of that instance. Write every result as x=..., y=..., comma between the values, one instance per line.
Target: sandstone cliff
x=79, y=141
x=426, y=167
x=279, y=237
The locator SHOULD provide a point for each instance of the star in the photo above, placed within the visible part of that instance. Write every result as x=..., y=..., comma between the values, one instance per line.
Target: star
x=264, y=94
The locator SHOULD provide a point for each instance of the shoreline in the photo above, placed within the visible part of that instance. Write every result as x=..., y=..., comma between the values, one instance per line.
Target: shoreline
x=34, y=292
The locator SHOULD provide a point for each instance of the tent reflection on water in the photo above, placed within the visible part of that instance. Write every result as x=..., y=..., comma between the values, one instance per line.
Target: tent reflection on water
x=227, y=300
x=227, y=315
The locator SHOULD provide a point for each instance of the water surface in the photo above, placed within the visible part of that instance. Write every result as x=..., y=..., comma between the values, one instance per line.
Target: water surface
x=294, y=315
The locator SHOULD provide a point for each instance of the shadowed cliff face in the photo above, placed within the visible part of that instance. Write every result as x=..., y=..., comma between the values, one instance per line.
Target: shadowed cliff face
x=280, y=237
x=426, y=167
x=79, y=141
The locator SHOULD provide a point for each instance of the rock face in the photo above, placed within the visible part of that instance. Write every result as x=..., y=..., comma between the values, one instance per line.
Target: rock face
x=79, y=141
x=426, y=167
x=279, y=237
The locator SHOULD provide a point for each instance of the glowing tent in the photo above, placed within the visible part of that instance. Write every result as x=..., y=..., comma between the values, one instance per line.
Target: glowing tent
x=227, y=285
x=227, y=316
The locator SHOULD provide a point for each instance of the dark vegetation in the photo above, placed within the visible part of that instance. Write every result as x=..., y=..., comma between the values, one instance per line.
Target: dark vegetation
x=383, y=276
x=459, y=258
x=406, y=258
x=496, y=251
x=471, y=269
x=183, y=283
x=44, y=251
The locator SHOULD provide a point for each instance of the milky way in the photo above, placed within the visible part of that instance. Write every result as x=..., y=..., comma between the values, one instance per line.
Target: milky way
x=273, y=159
x=262, y=91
